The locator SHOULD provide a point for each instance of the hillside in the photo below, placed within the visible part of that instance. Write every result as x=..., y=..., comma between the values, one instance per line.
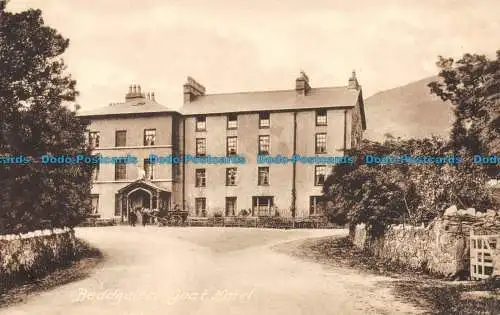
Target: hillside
x=408, y=111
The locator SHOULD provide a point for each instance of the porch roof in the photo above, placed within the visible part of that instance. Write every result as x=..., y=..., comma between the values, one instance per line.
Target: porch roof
x=142, y=183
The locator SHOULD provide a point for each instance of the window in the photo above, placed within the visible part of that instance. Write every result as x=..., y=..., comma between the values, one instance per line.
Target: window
x=201, y=179
x=262, y=205
x=263, y=176
x=120, y=170
x=264, y=145
x=120, y=206
x=95, y=204
x=231, y=176
x=149, y=137
x=232, y=121
x=120, y=138
x=94, y=138
x=321, y=118
x=316, y=205
x=319, y=175
x=230, y=206
x=148, y=169
x=200, y=205
x=201, y=146
x=95, y=174
x=320, y=143
x=232, y=146
x=201, y=123
x=264, y=120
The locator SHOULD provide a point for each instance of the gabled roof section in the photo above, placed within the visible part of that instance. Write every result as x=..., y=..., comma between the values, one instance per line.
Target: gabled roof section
x=326, y=97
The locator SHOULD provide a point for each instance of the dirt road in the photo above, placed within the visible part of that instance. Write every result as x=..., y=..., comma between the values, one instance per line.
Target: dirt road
x=211, y=271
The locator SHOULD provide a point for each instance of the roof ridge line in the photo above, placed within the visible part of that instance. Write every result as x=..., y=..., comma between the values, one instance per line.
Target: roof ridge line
x=270, y=91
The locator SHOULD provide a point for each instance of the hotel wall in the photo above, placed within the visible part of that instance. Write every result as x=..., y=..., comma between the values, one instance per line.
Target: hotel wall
x=281, y=142
x=306, y=131
x=106, y=186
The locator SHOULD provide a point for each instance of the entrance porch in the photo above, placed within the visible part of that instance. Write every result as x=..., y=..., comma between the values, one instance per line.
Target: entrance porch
x=142, y=194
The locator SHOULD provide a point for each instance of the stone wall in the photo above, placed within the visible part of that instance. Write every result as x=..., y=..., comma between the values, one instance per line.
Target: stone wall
x=440, y=248
x=29, y=256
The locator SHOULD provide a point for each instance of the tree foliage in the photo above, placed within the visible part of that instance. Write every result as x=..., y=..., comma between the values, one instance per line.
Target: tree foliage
x=34, y=92
x=472, y=85
x=381, y=195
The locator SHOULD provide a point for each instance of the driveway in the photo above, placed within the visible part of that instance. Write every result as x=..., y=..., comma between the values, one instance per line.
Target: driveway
x=152, y=270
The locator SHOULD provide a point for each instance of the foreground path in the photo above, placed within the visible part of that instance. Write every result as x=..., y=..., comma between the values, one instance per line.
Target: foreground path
x=211, y=271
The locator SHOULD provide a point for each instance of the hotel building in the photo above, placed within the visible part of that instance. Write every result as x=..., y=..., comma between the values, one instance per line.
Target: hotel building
x=304, y=121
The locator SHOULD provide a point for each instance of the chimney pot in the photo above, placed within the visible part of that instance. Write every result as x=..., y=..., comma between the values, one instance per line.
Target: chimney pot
x=353, y=82
x=192, y=89
x=302, y=84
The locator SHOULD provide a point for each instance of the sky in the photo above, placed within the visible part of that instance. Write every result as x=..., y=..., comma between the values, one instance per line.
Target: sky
x=232, y=46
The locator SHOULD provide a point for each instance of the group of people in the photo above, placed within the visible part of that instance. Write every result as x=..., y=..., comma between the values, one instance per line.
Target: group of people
x=134, y=216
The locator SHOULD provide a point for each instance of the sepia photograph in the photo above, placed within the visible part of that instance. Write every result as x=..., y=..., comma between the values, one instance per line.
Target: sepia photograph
x=249, y=157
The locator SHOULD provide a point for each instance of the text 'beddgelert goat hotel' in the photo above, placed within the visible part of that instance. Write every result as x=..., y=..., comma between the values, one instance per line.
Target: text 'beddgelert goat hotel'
x=304, y=121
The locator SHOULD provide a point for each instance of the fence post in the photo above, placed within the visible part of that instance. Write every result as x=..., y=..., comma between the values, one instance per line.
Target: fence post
x=471, y=252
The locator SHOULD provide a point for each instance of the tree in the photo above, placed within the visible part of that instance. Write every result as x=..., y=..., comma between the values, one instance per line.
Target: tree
x=472, y=85
x=34, y=89
x=381, y=195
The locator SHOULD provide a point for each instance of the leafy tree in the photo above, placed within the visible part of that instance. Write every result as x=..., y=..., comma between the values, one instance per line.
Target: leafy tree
x=34, y=93
x=472, y=85
x=380, y=195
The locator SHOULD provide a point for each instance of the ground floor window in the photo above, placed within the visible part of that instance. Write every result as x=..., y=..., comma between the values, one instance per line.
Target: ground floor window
x=262, y=205
x=230, y=206
x=316, y=205
x=95, y=204
x=200, y=206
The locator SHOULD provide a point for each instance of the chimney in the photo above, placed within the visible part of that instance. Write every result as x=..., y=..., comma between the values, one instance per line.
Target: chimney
x=302, y=84
x=153, y=97
x=353, y=82
x=192, y=89
x=134, y=91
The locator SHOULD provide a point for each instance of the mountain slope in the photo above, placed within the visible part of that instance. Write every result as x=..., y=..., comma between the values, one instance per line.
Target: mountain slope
x=408, y=111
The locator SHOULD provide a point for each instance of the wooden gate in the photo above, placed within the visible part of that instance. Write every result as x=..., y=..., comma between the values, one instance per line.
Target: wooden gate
x=482, y=255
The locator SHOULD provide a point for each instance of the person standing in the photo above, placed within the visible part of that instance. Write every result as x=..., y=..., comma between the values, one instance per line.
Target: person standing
x=144, y=217
x=133, y=218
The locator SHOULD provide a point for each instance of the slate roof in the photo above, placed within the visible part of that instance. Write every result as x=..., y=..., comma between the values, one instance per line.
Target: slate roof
x=133, y=106
x=271, y=100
